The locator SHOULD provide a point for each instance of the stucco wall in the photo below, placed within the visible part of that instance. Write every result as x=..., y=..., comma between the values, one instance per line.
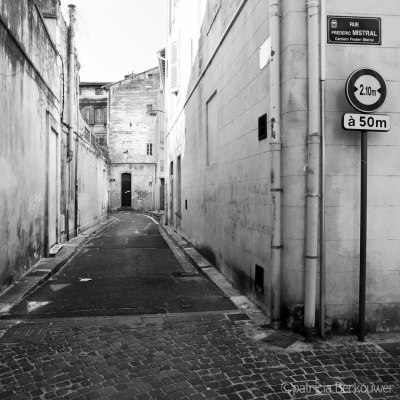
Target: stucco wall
x=131, y=129
x=228, y=202
x=26, y=108
x=93, y=183
x=142, y=193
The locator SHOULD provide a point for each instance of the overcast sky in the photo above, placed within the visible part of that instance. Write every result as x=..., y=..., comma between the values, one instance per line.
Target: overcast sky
x=117, y=37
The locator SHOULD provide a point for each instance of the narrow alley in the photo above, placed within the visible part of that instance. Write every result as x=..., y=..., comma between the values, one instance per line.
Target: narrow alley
x=127, y=269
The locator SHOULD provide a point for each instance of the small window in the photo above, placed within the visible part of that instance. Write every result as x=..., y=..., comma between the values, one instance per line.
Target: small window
x=99, y=91
x=149, y=108
x=80, y=92
x=149, y=149
x=262, y=127
x=150, y=76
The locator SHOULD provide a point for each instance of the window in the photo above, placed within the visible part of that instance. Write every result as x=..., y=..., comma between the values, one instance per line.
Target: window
x=100, y=116
x=149, y=108
x=149, y=149
x=99, y=91
x=80, y=92
x=150, y=76
x=262, y=127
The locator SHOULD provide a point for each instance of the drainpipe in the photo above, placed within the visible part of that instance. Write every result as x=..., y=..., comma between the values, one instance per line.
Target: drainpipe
x=322, y=311
x=71, y=82
x=313, y=172
x=275, y=146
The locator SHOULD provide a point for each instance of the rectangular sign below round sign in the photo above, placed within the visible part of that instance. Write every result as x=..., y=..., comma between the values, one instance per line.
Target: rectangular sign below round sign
x=366, y=122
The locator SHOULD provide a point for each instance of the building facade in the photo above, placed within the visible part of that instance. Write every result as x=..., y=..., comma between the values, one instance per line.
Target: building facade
x=132, y=145
x=93, y=106
x=262, y=178
x=43, y=191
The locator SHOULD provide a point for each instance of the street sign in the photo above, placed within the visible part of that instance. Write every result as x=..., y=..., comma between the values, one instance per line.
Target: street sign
x=354, y=30
x=366, y=122
x=366, y=90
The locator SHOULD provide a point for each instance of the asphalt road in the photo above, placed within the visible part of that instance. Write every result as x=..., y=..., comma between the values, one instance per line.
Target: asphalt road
x=127, y=269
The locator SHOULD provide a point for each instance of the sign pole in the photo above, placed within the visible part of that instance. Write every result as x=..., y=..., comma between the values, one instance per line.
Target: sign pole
x=363, y=237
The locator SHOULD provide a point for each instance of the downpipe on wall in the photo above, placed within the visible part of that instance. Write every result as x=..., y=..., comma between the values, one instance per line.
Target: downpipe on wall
x=275, y=147
x=71, y=91
x=71, y=82
x=313, y=170
x=322, y=312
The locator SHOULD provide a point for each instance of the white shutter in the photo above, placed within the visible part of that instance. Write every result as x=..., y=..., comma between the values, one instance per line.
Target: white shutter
x=174, y=67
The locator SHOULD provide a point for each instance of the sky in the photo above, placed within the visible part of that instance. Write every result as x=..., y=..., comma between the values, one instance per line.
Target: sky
x=117, y=37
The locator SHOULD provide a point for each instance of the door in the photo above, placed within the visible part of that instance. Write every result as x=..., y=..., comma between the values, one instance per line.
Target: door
x=162, y=194
x=126, y=188
x=53, y=198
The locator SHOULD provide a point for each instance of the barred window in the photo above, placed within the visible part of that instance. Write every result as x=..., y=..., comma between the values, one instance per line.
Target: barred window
x=98, y=91
x=149, y=149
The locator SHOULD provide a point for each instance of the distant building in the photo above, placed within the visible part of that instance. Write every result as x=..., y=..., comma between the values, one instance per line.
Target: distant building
x=93, y=107
x=132, y=143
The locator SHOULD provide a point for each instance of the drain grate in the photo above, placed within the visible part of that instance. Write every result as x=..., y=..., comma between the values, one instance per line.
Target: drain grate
x=279, y=340
x=392, y=348
x=238, y=317
x=25, y=332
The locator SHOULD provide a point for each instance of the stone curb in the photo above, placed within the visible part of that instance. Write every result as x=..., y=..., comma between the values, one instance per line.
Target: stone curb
x=211, y=273
x=45, y=268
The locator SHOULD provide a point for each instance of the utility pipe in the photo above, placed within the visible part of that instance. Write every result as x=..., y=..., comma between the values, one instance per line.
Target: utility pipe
x=275, y=146
x=313, y=171
x=322, y=311
x=71, y=82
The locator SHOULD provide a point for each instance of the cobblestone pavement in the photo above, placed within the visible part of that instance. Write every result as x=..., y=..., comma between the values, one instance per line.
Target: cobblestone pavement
x=188, y=356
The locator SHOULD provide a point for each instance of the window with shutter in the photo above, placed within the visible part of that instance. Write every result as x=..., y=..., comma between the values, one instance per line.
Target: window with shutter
x=174, y=67
x=104, y=115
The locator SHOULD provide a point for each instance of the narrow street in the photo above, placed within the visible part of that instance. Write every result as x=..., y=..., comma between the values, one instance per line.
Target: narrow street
x=128, y=269
x=129, y=318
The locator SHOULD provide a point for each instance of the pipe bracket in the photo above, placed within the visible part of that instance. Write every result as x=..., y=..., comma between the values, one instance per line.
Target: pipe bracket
x=312, y=257
x=277, y=247
x=312, y=195
x=277, y=190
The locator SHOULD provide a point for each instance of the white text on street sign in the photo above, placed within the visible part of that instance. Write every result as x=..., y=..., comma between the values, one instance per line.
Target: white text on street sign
x=366, y=122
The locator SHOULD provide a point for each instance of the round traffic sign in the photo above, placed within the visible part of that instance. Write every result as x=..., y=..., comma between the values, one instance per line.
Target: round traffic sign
x=366, y=90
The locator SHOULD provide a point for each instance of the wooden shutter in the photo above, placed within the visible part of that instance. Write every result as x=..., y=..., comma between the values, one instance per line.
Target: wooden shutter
x=174, y=67
x=105, y=115
x=91, y=120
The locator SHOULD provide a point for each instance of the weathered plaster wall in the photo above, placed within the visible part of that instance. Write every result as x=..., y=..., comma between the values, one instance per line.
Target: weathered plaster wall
x=131, y=129
x=343, y=179
x=93, y=182
x=228, y=202
x=142, y=193
x=25, y=109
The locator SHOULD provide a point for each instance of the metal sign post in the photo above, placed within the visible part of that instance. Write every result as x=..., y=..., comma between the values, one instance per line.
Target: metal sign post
x=366, y=92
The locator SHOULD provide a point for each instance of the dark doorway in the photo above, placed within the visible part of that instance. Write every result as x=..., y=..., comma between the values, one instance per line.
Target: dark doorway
x=126, y=190
x=162, y=194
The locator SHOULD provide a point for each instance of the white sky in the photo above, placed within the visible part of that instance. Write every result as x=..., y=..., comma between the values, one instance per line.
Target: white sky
x=117, y=37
